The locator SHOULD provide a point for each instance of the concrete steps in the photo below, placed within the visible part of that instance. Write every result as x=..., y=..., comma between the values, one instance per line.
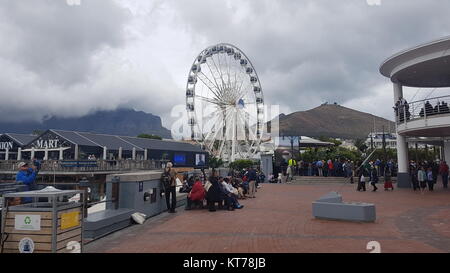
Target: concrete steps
x=329, y=180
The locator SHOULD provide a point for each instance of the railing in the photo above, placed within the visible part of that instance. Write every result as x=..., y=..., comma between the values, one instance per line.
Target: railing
x=88, y=165
x=422, y=109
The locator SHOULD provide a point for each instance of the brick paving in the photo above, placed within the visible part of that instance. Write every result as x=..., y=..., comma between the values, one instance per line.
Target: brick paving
x=279, y=219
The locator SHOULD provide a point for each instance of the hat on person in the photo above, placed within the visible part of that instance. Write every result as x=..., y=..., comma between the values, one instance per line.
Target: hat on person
x=169, y=165
x=21, y=164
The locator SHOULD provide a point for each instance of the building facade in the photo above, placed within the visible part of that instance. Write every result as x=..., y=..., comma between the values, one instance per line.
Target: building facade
x=424, y=66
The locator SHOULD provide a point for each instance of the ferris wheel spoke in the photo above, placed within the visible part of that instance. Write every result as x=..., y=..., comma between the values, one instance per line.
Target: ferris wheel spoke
x=212, y=74
x=204, y=78
x=211, y=100
x=219, y=70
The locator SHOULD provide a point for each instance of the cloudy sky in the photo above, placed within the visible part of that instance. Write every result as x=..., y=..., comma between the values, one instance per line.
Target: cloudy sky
x=69, y=60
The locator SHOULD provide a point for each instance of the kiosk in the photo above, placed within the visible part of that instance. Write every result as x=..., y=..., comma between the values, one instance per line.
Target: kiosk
x=43, y=221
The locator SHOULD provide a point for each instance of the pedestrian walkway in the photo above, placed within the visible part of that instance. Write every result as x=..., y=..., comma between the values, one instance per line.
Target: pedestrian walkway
x=279, y=219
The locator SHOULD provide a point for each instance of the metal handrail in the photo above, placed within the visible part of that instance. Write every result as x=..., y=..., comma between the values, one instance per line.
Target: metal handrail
x=419, y=110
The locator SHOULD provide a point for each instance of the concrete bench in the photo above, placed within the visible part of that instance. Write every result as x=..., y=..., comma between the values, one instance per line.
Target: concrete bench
x=331, y=207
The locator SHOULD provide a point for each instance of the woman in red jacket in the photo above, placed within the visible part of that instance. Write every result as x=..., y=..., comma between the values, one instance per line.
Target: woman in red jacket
x=196, y=195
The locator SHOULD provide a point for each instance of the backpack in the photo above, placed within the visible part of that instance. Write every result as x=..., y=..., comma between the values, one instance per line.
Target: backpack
x=166, y=179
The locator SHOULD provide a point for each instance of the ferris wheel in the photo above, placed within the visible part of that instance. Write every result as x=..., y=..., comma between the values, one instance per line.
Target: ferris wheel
x=225, y=104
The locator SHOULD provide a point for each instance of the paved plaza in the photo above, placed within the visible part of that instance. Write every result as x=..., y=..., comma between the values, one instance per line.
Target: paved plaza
x=279, y=219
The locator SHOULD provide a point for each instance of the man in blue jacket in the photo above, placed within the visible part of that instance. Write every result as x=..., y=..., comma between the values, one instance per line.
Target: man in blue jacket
x=27, y=176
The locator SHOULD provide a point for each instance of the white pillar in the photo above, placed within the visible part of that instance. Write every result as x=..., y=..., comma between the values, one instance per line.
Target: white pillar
x=7, y=154
x=402, y=154
x=398, y=91
x=104, y=152
x=61, y=153
x=403, y=179
x=120, y=153
x=46, y=154
x=447, y=150
x=32, y=152
x=145, y=154
x=19, y=153
x=134, y=153
x=75, y=156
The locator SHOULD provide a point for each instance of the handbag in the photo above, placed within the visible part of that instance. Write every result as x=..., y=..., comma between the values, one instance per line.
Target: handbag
x=207, y=186
x=235, y=191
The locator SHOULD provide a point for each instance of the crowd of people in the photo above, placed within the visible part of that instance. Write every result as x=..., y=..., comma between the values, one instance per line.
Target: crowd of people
x=223, y=191
x=371, y=171
x=424, y=174
x=330, y=168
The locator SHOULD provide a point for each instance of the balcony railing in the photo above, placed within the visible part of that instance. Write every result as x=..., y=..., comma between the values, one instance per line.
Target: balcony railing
x=88, y=165
x=422, y=109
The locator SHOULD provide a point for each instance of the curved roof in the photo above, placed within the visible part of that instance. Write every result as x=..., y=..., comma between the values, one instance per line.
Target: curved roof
x=426, y=65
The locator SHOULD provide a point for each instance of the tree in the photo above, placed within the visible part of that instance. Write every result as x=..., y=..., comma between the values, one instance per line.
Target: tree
x=215, y=162
x=150, y=136
x=38, y=132
x=241, y=164
x=361, y=145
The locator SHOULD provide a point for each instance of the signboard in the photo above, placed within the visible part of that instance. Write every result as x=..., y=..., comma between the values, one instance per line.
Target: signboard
x=200, y=159
x=70, y=219
x=26, y=245
x=6, y=145
x=27, y=222
x=50, y=144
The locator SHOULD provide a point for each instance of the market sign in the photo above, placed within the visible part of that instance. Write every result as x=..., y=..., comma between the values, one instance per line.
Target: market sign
x=27, y=222
x=49, y=144
x=6, y=145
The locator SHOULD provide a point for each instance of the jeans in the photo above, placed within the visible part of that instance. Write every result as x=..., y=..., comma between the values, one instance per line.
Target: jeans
x=362, y=186
x=167, y=193
x=251, y=188
x=445, y=180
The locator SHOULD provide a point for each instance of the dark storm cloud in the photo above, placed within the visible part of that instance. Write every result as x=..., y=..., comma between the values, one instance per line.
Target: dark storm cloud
x=57, y=41
x=66, y=60
x=324, y=50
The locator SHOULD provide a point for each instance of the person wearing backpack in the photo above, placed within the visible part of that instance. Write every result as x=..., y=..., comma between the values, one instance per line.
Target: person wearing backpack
x=169, y=184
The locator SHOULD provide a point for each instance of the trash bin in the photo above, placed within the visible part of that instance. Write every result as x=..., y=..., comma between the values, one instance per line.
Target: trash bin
x=50, y=223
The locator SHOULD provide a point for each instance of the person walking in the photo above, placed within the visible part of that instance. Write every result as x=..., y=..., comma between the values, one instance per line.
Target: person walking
x=443, y=171
x=169, y=183
x=415, y=178
x=362, y=181
x=251, y=183
x=292, y=165
x=422, y=177
x=430, y=179
x=374, y=179
x=388, y=180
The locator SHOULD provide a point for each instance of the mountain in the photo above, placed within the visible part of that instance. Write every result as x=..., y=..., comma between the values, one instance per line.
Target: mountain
x=332, y=120
x=125, y=122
